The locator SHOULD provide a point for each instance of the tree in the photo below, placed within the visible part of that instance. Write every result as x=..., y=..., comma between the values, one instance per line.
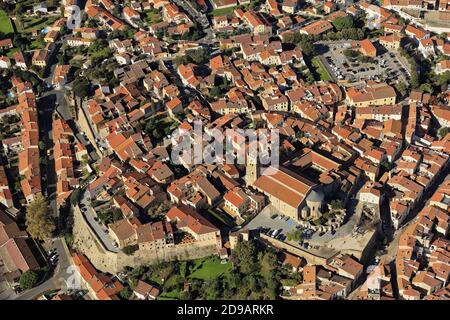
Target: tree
x=307, y=47
x=426, y=87
x=337, y=204
x=268, y=264
x=39, y=223
x=294, y=235
x=126, y=293
x=443, y=132
x=245, y=253
x=129, y=250
x=81, y=88
x=401, y=88
x=75, y=197
x=341, y=23
x=28, y=279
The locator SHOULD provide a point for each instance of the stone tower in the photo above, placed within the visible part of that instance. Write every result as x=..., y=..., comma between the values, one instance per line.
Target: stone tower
x=251, y=170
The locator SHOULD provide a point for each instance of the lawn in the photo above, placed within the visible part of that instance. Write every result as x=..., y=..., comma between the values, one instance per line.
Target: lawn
x=222, y=12
x=172, y=295
x=36, y=23
x=210, y=268
x=5, y=23
x=320, y=69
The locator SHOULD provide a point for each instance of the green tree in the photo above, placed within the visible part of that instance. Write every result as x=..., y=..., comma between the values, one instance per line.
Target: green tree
x=81, y=88
x=39, y=223
x=126, y=293
x=129, y=250
x=443, y=132
x=75, y=197
x=341, y=23
x=28, y=279
x=245, y=253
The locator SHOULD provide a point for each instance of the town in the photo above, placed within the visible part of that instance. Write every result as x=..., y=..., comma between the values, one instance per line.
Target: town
x=351, y=99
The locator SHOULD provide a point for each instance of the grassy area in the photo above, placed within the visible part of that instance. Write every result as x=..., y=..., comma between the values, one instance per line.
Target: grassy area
x=152, y=17
x=208, y=269
x=320, y=69
x=222, y=12
x=37, y=44
x=35, y=23
x=172, y=295
x=11, y=52
x=6, y=26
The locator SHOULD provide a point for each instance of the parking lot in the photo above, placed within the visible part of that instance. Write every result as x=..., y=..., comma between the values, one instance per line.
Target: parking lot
x=388, y=66
x=269, y=220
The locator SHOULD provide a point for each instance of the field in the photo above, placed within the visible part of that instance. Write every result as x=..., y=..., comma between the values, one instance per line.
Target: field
x=35, y=23
x=6, y=26
x=202, y=269
x=208, y=269
x=320, y=69
x=222, y=12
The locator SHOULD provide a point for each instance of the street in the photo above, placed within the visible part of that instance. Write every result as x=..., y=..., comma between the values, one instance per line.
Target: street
x=60, y=276
x=99, y=230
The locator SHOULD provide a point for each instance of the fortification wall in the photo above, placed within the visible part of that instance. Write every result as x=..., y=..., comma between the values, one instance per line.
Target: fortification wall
x=309, y=257
x=86, y=242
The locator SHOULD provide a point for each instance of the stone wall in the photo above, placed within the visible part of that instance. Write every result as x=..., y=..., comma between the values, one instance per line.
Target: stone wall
x=86, y=242
x=309, y=257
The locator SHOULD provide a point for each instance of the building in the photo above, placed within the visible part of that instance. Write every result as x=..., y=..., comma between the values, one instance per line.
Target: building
x=290, y=193
x=374, y=94
x=190, y=221
x=367, y=48
x=145, y=291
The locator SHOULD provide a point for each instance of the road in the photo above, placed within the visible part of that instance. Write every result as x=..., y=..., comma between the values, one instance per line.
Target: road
x=61, y=274
x=99, y=230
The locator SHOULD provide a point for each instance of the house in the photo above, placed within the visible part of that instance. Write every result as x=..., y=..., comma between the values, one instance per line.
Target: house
x=367, y=48
x=6, y=44
x=16, y=248
x=391, y=42
x=174, y=106
x=329, y=7
x=275, y=103
x=236, y=202
x=289, y=6
x=371, y=194
x=317, y=28
x=40, y=58
x=257, y=23
x=100, y=285
x=131, y=16
x=5, y=62
x=190, y=221
x=222, y=4
x=145, y=291
x=20, y=60
x=60, y=75
x=442, y=66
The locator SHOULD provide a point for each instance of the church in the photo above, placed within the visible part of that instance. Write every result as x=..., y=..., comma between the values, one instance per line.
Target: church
x=288, y=192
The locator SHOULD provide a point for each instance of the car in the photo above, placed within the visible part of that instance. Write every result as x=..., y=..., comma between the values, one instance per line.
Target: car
x=83, y=210
x=274, y=216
